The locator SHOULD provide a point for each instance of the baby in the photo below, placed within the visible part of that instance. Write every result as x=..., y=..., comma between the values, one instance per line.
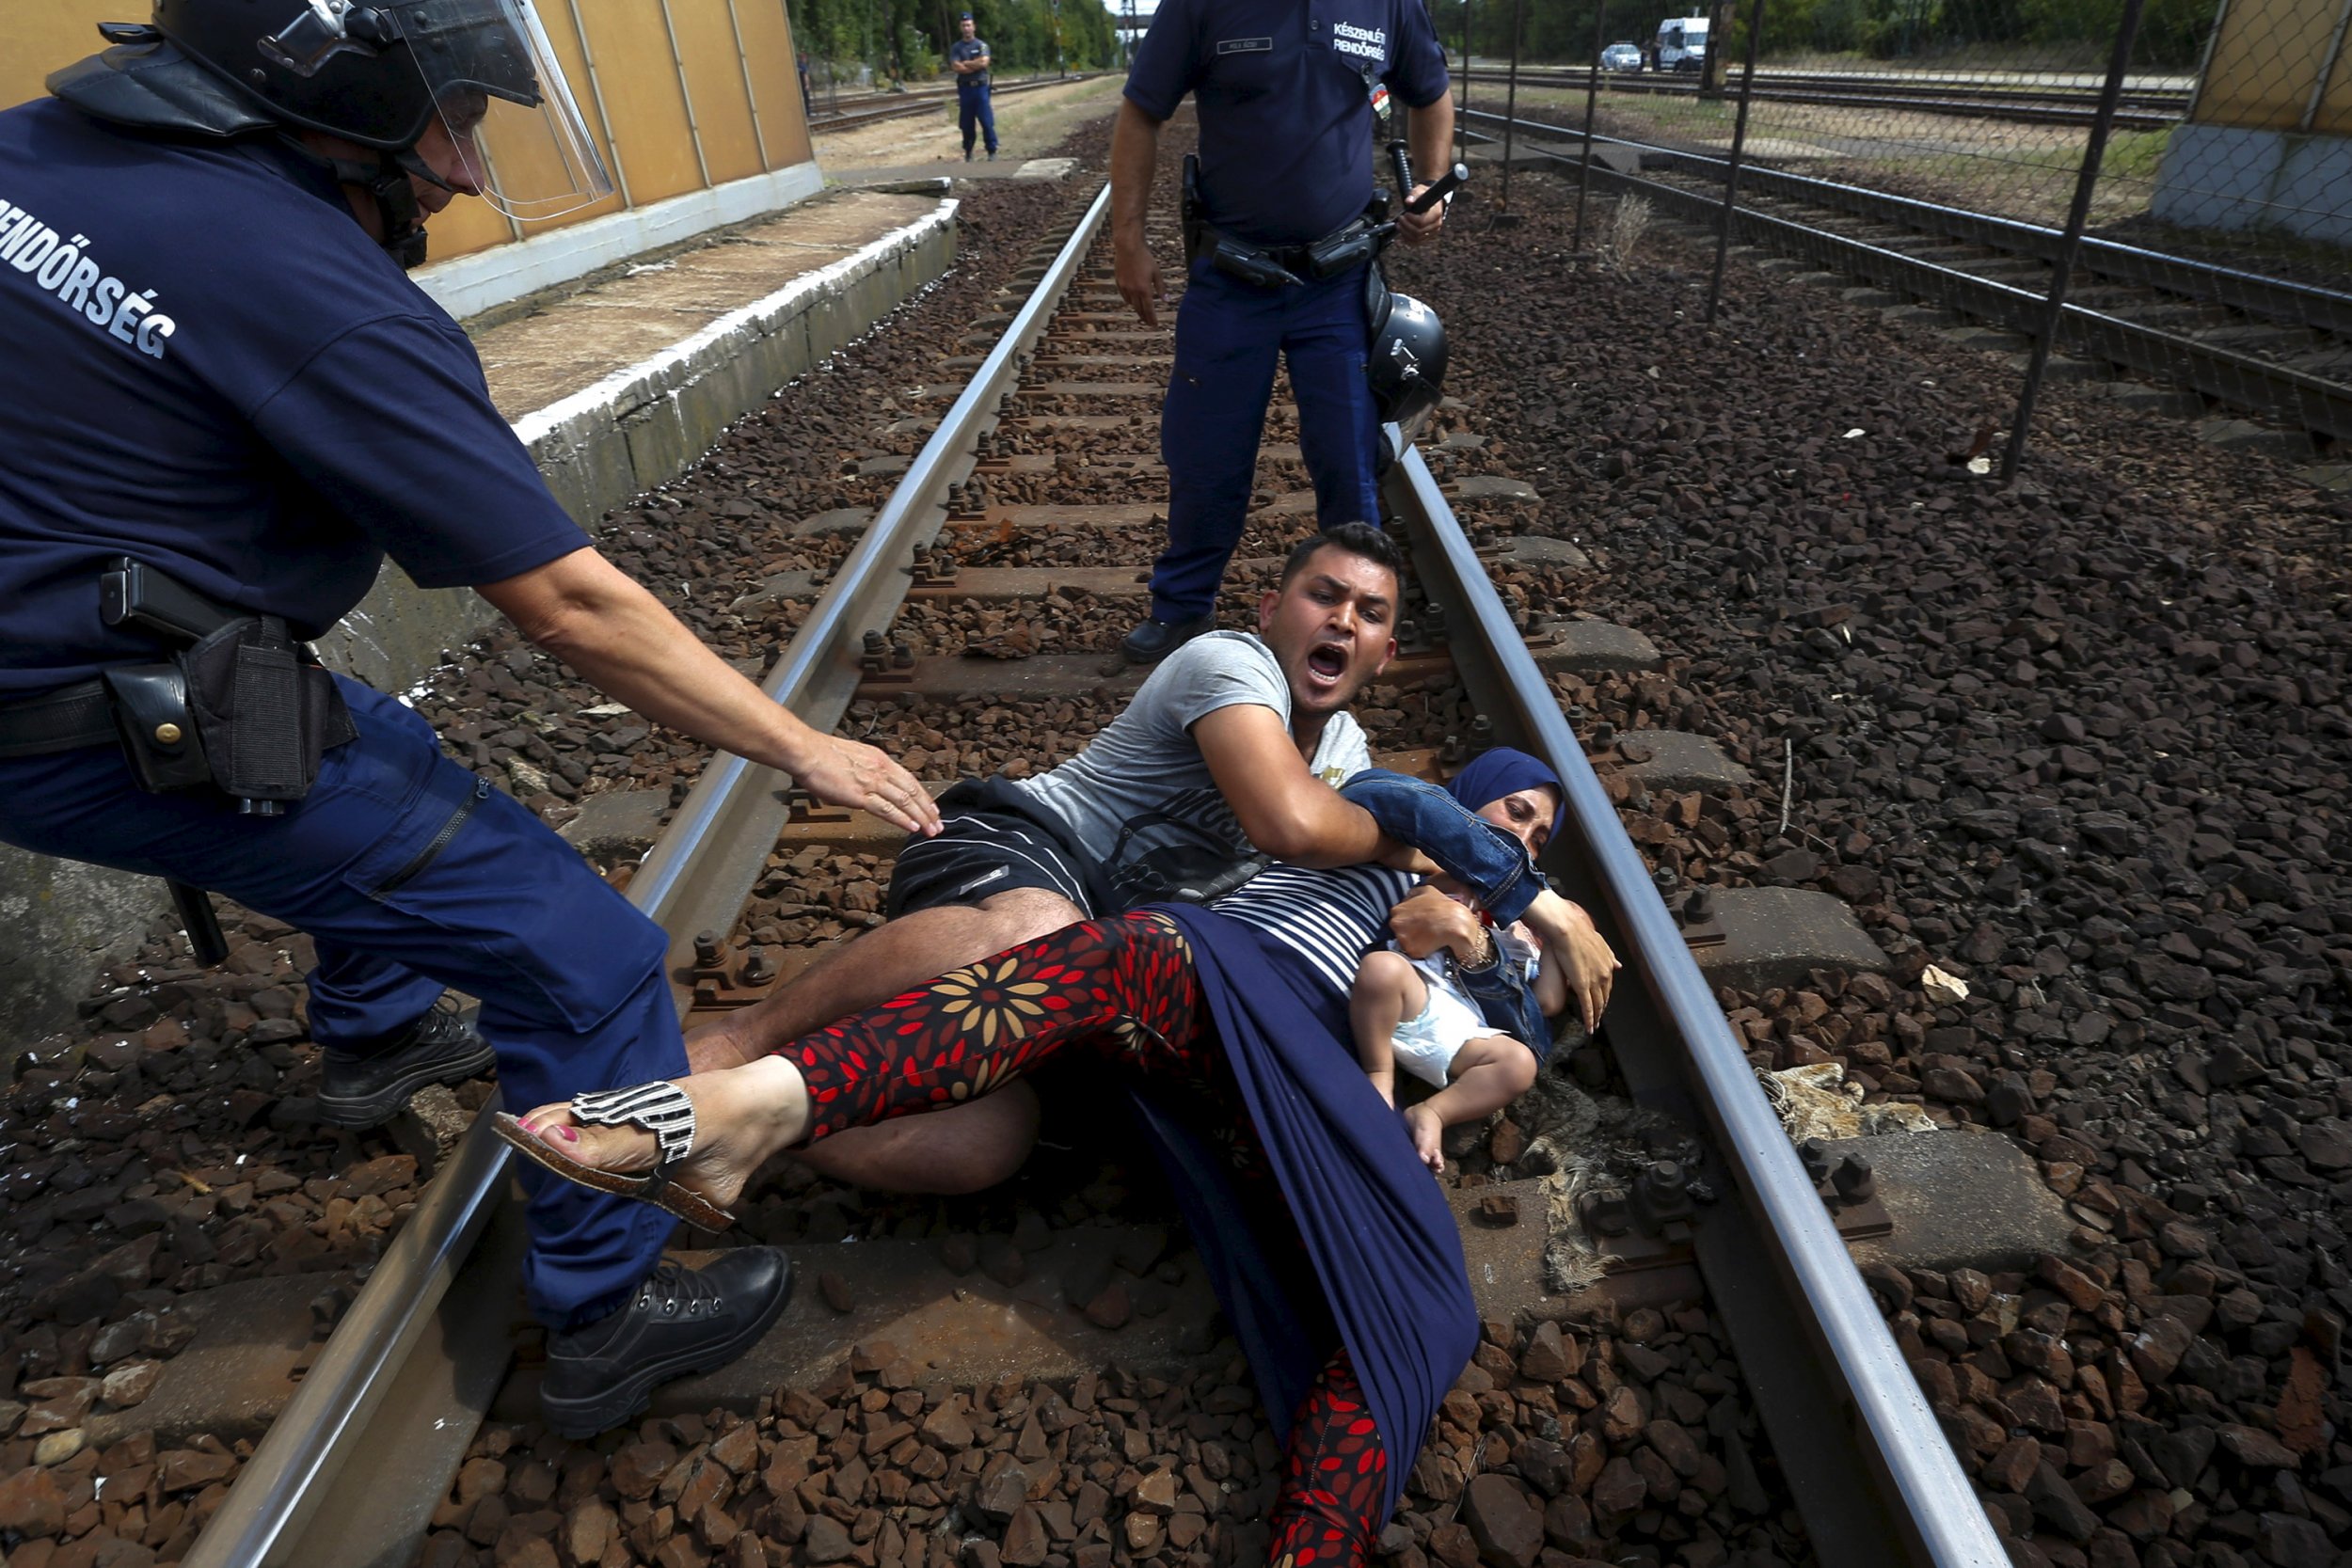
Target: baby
x=1413, y=1012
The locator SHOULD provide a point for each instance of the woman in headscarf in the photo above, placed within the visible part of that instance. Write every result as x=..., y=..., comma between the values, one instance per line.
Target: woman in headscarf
x=1334, y=1255
x=1413, y=1012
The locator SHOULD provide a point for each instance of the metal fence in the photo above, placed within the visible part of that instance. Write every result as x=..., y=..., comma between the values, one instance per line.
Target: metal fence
x=2162, y=187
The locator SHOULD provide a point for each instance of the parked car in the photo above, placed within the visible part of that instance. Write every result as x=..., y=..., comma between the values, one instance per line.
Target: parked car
x=1621, y=56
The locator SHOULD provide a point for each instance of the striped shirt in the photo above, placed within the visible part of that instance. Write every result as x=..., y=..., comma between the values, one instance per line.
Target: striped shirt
x=1330, y=918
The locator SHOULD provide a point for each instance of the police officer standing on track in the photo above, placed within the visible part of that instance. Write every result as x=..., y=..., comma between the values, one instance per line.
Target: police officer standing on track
x=969, y=57
x=1287, y=98
x=232, y=406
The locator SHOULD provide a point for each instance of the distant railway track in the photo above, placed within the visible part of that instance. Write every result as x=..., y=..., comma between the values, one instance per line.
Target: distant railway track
x=2277, y=349
x=869, y=109
x=2143, y=108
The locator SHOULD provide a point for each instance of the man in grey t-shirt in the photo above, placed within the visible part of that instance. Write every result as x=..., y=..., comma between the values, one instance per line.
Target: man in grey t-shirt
x=1227, y=757
x=1139, y=804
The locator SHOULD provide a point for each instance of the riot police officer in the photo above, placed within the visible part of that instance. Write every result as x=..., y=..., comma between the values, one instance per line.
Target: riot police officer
x=1287, y=99
x=229, y=405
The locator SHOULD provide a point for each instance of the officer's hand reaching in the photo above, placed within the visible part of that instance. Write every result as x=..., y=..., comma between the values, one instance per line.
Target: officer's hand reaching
x=1139, y=282
x=1419, y=228
x=849, y=773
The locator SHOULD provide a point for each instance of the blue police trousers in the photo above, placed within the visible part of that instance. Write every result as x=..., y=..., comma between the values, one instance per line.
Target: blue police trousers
x=570, y=976
x=972, y=108
x=1228, y=335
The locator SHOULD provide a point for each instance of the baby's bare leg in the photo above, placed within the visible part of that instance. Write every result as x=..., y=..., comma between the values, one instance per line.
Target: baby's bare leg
x=1488, y=1073
x=1388, y=991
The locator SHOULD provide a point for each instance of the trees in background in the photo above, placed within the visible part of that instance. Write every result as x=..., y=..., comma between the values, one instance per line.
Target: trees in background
x=909, y=39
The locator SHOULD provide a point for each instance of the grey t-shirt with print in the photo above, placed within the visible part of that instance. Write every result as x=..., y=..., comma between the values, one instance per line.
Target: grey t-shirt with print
x=1139, y=799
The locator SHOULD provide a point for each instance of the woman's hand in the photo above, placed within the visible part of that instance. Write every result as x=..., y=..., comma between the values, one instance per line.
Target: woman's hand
x=1429, y=921
x=1586, y=960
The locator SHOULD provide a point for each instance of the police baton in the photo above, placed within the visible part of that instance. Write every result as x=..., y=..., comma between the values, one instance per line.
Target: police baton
x=1402, y=163
x=1450, y=182
x=206, y=940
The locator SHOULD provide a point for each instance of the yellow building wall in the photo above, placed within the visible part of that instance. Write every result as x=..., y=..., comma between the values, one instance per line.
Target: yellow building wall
x=632, y=82
x=2266, y=60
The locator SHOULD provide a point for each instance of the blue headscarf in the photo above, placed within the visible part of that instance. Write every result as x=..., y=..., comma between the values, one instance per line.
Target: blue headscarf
x=1501, y=771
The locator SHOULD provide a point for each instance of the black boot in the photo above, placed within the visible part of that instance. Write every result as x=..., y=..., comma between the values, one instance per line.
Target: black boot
x=1154, y=640
x=681, y=1322
x=366, y=1086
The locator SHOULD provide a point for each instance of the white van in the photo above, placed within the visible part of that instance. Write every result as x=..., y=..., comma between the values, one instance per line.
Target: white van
x=1681, y=44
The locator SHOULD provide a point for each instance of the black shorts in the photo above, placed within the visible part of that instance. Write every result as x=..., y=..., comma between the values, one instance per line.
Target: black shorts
x=993, y=838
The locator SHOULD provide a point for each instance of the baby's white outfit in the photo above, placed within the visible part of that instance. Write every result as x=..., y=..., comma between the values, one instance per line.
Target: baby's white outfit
x=1426, y=1043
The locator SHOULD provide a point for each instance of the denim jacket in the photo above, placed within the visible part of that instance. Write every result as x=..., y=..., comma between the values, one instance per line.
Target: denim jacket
x=1495, y=866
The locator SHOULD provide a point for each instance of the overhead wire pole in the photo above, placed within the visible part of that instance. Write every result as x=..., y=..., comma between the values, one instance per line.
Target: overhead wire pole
x=1461, y=119
x=1511, y=111
x=1591, y=93
x=1738, y=147
x=2077, y=215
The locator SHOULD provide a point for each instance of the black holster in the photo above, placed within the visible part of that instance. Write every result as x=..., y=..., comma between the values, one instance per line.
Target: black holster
x=265, y=713
x=1351, y=244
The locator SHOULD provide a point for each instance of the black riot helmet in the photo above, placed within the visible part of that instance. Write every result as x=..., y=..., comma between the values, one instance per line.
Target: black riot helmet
x=381, y=76
x=1407, y=358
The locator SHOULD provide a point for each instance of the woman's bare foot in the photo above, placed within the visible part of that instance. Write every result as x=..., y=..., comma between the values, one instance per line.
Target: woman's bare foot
x=741, y=1117
x=1428, y=1135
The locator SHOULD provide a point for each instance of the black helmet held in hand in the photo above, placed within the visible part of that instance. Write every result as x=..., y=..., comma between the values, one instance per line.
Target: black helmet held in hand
x=1407, y=358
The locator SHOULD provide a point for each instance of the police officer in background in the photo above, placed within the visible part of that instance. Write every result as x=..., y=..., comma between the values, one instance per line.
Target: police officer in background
x=232, y=405
x=968, y=56
x=1287, y=98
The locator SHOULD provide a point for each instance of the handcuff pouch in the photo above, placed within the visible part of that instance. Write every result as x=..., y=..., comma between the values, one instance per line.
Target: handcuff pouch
x=158, y=733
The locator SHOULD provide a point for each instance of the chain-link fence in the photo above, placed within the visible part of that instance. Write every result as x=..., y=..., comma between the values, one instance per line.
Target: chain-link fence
x=2159, y=186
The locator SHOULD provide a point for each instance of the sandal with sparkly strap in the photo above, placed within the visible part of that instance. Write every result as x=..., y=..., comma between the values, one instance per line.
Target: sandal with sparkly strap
x=661, y=1109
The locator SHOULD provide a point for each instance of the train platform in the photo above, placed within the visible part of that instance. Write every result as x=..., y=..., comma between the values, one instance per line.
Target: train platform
x=553, y=346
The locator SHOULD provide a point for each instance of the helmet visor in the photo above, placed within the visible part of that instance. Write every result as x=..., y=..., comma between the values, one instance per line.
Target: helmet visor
x=515, y=135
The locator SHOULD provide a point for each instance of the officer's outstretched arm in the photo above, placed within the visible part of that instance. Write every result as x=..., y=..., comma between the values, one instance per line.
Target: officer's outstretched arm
x=1134, y=152
x=602, y=623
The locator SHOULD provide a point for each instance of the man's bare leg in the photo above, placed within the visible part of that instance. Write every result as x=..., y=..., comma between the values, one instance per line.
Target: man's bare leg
x=962, y=1149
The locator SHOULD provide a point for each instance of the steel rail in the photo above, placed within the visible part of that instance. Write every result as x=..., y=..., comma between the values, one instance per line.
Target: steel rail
x=827, y=643
x=371, y=1397
x=2281, y=392
x=1855, y=1384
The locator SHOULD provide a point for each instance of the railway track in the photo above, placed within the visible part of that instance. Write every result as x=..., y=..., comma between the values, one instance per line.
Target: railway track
x=2279, y=350
x=871, y=108
x=2141, y=108
x=353, y=1470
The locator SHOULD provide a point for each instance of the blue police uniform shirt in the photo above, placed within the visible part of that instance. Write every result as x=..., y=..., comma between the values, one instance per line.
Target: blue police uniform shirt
x=215, y=371
x=1284, y=100
x=969, y=49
